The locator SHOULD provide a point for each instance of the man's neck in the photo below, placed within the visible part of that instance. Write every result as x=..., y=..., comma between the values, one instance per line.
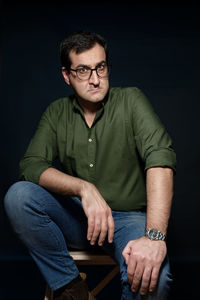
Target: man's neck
x=89, y=109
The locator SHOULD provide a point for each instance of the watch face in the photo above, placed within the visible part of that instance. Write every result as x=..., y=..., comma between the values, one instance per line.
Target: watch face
x=153, y=233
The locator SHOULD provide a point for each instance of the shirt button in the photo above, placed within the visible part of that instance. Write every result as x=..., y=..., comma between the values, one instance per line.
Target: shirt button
x=91, y=165
x=90, y=140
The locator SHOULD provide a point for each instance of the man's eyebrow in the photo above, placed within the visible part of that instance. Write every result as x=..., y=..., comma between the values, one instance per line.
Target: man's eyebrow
x=89, y=66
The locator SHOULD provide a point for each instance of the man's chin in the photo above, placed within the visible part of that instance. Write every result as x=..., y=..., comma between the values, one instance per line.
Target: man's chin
x=96, y=95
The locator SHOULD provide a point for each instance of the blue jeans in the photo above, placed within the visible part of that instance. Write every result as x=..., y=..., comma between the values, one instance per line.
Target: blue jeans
x=47, y=223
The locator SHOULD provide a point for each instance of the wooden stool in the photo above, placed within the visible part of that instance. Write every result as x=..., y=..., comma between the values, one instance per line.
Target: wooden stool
x=88, y=258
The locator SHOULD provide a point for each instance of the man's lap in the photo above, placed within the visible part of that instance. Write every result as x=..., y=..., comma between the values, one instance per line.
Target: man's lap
x=68, y=214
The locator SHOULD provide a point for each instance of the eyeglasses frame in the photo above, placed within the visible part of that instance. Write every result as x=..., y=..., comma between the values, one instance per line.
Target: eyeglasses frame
x=91, y=70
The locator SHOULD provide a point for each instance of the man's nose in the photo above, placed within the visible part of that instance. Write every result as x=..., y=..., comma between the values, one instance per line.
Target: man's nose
x=94, y=78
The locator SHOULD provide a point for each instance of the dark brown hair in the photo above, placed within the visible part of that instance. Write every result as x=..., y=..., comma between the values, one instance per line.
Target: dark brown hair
x=79, y=41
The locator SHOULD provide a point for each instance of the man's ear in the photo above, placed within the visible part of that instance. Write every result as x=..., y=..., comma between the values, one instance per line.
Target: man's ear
x=65, y=75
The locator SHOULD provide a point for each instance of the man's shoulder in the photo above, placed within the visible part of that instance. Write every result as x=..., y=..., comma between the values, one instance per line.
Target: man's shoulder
x=129, y=99
x=61, y=102
x=60, y=105
x=125, y=95
x=126, y=92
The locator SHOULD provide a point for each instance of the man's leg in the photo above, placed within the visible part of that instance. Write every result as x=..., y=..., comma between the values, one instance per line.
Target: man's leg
x=44, y=224
x=131, y=226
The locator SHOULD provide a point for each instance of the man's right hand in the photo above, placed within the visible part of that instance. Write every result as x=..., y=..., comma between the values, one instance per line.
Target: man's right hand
x=99, y=214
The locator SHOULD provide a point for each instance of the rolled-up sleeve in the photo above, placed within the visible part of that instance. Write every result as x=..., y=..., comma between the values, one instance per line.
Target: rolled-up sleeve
x=42, y=149
x=153, y=142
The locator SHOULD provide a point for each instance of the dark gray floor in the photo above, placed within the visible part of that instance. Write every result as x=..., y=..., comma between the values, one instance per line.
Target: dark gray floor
x=21, y=280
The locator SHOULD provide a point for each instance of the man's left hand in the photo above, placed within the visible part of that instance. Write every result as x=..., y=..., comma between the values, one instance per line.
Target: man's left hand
x=144, y=258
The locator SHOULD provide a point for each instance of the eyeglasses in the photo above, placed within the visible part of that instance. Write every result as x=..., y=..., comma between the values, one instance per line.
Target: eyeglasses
x=85, y=72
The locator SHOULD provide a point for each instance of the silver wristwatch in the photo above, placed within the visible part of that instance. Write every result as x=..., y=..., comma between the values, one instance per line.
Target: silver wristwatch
x=154, y=234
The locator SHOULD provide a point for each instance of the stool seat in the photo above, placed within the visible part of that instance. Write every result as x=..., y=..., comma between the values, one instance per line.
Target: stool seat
x=94, y=257
x=87, y=257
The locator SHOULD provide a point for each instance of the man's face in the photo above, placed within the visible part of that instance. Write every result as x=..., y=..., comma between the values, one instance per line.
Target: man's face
x=95, y=88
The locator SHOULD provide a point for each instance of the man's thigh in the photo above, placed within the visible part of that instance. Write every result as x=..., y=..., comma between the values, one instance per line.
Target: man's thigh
x=29, y=206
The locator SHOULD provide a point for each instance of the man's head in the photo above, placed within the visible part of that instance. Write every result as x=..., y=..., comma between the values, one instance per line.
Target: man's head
x=84, y=62
x=79, y=42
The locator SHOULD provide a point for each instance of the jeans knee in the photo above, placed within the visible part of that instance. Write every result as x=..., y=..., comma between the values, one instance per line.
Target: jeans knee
x=165, y=278
x=17, y=198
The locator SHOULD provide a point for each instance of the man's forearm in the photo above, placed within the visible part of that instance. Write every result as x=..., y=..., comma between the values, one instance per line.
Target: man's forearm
x=143, y=256
x=99, y=214
x=61, y=183
x=159, y=197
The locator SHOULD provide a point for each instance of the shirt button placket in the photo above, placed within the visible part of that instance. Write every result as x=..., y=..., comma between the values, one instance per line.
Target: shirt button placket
x=91, y=157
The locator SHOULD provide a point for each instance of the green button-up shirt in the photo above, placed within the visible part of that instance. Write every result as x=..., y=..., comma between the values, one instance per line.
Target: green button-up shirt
x=126, y=138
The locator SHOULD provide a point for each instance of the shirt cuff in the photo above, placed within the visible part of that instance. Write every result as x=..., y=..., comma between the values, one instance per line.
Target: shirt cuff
x=33, y=171
x=161, y=158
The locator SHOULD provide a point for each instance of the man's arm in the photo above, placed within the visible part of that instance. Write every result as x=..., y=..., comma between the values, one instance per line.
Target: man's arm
x=143, y=256
x=37, y=166
x=159, y=197
x=99, y=214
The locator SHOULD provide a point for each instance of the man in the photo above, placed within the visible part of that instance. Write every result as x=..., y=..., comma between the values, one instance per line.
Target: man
x=115, y=187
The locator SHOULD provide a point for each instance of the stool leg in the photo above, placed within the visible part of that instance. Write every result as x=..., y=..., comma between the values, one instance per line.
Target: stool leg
x=48, y=293
x=105, y=281
x=91, y=297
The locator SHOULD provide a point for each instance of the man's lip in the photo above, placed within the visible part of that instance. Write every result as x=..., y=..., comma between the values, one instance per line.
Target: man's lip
x=94, y=90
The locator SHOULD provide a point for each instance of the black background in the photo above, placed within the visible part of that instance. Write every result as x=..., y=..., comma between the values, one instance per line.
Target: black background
x=154, y=45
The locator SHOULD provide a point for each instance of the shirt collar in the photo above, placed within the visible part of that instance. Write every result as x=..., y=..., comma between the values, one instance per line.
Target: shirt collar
x=79, y=108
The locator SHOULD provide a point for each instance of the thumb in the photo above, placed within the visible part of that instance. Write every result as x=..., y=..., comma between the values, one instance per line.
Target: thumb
x=126, y=253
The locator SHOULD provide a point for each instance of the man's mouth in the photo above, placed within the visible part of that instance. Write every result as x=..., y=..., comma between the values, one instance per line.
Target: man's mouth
x=93, y=90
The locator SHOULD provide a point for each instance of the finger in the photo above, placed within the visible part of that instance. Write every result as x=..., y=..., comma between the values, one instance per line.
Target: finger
x=96, y=231
x=137, y=276
x=91, y=224
x=154, y=279
x=127, y=249
x=111, y=228
x=131, y=266
x=103, y=232
x=146, y=278
x=126, y=253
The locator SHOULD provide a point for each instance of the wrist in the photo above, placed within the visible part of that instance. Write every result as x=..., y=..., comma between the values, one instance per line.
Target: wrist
x=84, y=187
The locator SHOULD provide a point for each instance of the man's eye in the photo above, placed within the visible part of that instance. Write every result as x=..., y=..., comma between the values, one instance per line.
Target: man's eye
x=83, y=70
x=101, y=67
